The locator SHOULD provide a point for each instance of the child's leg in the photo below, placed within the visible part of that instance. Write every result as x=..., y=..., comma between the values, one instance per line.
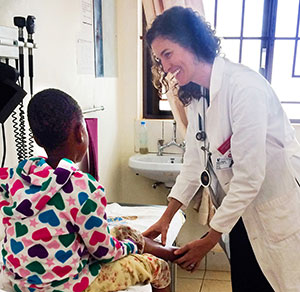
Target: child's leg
x=132, y=270
x=167, y=289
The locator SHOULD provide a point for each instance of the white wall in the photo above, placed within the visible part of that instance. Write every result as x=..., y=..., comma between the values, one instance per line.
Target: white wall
x=134, y=189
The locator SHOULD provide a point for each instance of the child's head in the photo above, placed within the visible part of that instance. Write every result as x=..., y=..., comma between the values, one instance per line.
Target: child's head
x=56, y=121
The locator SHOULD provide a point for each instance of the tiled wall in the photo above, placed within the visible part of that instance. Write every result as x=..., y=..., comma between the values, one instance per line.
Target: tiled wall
x=158, y=129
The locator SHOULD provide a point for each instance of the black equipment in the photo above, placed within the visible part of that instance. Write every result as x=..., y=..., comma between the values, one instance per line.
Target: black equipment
x=20, y=22
x=30, y=26
x=10, y=93
x=10, y=96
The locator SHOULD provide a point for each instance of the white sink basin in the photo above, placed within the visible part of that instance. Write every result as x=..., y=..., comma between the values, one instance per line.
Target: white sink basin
x=163, y=168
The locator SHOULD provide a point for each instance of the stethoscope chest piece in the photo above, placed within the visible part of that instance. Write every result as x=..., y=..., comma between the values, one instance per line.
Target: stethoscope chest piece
x=201, y=136
x=205, y=178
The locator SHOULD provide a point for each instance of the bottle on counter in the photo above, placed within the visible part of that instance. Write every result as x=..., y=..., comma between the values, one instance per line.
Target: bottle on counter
x=143, y=135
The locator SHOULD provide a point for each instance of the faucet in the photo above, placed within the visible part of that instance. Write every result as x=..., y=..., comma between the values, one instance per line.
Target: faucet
x=173, y=142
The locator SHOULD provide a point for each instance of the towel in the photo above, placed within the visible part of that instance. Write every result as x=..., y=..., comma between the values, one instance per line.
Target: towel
x=204, y=206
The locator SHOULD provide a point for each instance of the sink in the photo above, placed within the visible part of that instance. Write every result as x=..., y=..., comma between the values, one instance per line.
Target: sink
x=163, y=168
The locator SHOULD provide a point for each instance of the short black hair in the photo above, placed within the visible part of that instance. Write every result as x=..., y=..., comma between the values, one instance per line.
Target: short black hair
x=50, y=116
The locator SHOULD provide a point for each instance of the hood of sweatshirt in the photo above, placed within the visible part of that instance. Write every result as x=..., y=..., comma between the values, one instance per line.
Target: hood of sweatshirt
x=25, y=190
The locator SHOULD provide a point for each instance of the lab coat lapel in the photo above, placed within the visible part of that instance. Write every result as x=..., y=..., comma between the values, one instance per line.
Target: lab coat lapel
x=215, y=134
x=216, y=78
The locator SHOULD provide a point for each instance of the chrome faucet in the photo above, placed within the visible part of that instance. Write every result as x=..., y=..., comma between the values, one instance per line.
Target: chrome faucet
x=161, y=146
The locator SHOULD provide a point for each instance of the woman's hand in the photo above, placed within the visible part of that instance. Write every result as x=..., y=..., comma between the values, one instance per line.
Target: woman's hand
x=193, y=252
x=173, y=83
x=160, y=227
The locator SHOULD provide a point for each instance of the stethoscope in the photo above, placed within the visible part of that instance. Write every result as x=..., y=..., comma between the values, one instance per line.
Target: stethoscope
x=201, y=135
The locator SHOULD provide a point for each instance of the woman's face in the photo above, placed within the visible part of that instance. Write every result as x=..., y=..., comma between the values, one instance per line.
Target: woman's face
x=176, y=59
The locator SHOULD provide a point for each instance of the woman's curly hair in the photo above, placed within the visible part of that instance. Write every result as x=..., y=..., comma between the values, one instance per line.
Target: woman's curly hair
x=188, y=29
x=50, y=115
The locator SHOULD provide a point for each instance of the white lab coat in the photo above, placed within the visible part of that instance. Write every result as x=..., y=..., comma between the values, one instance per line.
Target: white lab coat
x=260, y=186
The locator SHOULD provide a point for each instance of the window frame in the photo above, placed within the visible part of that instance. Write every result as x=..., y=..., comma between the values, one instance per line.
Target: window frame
x=268, y=38
x=150, y=105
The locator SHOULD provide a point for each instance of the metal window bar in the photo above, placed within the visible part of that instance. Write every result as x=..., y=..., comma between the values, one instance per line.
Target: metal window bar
x=268, y=37
x=296, y=44
x=267, y=41
x=268, y=31
x=242, y=32
x=216, y=14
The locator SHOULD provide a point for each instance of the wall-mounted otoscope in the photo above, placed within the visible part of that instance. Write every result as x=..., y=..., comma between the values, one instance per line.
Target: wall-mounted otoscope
x=20, y=22
x=30, y=26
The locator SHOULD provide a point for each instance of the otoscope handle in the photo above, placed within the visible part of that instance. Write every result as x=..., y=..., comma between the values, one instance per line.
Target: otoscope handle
x=30, y=26
x=30, y=64
x=21, y=59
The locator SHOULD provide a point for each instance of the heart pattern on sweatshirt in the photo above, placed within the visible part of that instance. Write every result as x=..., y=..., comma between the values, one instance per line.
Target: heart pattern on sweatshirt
x=57, y=210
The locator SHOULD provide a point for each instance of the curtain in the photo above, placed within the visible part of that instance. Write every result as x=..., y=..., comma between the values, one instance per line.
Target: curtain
x=90, y=162
x=152, y=8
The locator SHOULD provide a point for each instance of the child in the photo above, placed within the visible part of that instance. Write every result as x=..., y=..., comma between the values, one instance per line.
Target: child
x=56, y=232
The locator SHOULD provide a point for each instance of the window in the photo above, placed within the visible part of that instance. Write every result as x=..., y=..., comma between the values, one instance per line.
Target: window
x=264, y=35
x=154, y=107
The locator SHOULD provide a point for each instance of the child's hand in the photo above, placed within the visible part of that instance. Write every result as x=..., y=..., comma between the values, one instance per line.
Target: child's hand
x=122, y=232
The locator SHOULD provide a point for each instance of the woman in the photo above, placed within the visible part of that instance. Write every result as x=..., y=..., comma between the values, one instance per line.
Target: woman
x=242, y=135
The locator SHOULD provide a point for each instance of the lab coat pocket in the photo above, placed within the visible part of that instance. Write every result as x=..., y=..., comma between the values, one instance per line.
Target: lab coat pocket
x=280, y=217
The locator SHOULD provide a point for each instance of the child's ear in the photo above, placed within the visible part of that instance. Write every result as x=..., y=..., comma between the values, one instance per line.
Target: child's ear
x=79, y=133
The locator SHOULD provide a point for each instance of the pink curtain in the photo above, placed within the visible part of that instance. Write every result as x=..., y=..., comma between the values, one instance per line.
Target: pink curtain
x=92, y=155
x=152, y=8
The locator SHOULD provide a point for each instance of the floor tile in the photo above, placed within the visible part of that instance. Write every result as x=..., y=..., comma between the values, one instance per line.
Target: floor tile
x=217, y=261
x=217, y=275
x=217, y=248
x=181, y=273
x=188, y=285
x=216, y=286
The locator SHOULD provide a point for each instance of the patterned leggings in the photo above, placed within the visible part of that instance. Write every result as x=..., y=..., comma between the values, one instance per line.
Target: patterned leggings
x=131, y=270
